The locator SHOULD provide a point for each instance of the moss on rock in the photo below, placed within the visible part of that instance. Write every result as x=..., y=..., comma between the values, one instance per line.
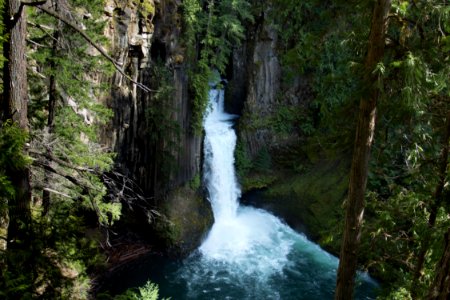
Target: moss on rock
x=312, y=201
x=189, y=217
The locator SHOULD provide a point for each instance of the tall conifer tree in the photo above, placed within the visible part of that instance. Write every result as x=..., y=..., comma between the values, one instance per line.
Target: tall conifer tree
x=361, y=153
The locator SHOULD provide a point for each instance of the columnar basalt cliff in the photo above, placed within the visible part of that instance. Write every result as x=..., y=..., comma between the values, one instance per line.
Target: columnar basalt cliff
x=256, y=89
x=263, y=84
x=151, y=131
x=144, y=35
x=259, y=92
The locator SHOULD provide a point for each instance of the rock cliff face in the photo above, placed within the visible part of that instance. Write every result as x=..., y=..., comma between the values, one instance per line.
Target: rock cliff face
x=263, y=85
x=309, y=200
x=150, y=131
x=143, y=35
x=258, y=92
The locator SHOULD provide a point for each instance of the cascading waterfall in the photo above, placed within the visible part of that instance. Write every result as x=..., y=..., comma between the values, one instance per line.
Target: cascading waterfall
x=218, y=169
x=249, y=239
x=248, y=253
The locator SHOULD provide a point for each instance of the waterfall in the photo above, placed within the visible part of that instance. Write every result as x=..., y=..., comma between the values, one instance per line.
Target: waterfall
x=251, y=239
x=218, y=169
x=248, y=253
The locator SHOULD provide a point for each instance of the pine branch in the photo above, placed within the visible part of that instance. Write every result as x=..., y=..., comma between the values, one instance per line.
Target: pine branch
x=43, y=28
x=116, y=65
x=63, y=163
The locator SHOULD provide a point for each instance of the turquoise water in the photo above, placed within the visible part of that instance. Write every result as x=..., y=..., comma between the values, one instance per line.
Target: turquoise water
x=287, y=267
x=279, y=264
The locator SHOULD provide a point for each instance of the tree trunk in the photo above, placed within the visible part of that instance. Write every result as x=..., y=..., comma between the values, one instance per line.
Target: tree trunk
x=440, y=289
x=361, y=153
x=15, y=95
x=438, y=197
x=51, y=111
x=15, y=107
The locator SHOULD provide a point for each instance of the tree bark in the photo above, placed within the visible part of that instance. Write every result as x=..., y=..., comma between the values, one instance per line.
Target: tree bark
x=15, y=107
x=440, y=289
x=361, y=152
x=52, y=96
x=438, y=197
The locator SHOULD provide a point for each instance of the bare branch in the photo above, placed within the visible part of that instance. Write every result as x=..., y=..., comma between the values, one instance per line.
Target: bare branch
x=36, y=43
x=17, y=15
x=70, y=178
x=32, y=3
x=43, y=28
x=56, y=192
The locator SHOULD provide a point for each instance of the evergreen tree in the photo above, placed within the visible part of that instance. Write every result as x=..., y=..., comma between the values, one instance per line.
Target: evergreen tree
x=64, y=118
x=15, y=108
x=361, y=153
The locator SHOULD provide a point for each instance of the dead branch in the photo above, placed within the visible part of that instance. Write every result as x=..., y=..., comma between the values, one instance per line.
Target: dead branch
x=56, y=192
x=70, y=178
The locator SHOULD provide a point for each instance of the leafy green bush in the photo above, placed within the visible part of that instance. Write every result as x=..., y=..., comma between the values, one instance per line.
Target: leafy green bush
x=242, y=159
x=149, y=291
x=195, y=183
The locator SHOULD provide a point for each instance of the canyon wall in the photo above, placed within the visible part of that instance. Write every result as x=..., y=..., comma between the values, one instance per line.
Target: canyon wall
x=150, y=130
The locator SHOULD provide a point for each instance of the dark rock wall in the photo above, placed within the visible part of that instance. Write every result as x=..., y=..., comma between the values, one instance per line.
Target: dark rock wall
x=140, y=39
x=256, y=90
x=145, y=34
x=262, y=78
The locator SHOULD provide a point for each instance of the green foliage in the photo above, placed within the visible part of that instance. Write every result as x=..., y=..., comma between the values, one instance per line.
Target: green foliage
x=67, y=159
x=216, y=29
x=72, y=139
x=2, y=38
x=255, y=181
x=70, y=58
x=254, y=173
x=325, y=42
x=67, y=253
x=12, y=157
x=195, y=183
x=242, y=159
x=147, y=292
x=400, y=294
x=287, y=119
x=263, y=160
x=199, y=88
x=12, y=143
x=146, y=8
x=393, y=233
